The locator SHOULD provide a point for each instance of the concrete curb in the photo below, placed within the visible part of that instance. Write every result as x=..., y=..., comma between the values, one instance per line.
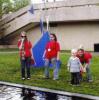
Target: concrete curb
x=51, y=91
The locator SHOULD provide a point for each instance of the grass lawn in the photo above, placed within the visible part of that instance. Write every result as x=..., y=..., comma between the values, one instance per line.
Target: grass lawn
x=10, y=72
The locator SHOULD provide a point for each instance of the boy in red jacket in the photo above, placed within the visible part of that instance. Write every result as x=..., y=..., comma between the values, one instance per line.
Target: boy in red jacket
x=85, y=59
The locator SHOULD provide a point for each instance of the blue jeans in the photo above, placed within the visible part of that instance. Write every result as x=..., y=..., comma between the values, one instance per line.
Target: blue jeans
x=25, y=67
x=47, y=65
x=88, y=72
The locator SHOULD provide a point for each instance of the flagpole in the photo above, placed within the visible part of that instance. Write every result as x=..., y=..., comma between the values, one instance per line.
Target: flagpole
x=41, y=19
x=47, y=22
x=46, y=16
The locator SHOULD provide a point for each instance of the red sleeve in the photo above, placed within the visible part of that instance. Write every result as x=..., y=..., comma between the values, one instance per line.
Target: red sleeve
x=30, y=45
x=90, y=55
x=87, y=57
x=58, y=47
x=19, y=43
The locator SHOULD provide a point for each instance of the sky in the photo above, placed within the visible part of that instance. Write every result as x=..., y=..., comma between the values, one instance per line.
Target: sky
x=42, y=1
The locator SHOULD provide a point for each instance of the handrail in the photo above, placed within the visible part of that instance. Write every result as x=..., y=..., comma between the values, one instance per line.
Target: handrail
x=49, y=5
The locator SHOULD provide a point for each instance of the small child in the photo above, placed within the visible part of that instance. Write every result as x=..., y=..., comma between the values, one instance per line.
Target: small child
x=74, y=67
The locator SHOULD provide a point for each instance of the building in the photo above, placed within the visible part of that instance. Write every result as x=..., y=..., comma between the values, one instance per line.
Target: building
x=75, y=22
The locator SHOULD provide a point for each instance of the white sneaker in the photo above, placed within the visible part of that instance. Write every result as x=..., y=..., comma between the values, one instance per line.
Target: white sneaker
x=23, y=78
x=28, y=78
x=90, y=80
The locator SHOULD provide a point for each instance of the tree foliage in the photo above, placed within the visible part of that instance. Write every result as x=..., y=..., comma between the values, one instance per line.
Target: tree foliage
x=7, y=6
x=20, y=4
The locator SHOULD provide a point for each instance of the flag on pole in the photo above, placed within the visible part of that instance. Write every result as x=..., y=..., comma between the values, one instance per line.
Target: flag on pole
x=41, y=26
x=38, y=50
x=47, y=22
x=31, y=10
